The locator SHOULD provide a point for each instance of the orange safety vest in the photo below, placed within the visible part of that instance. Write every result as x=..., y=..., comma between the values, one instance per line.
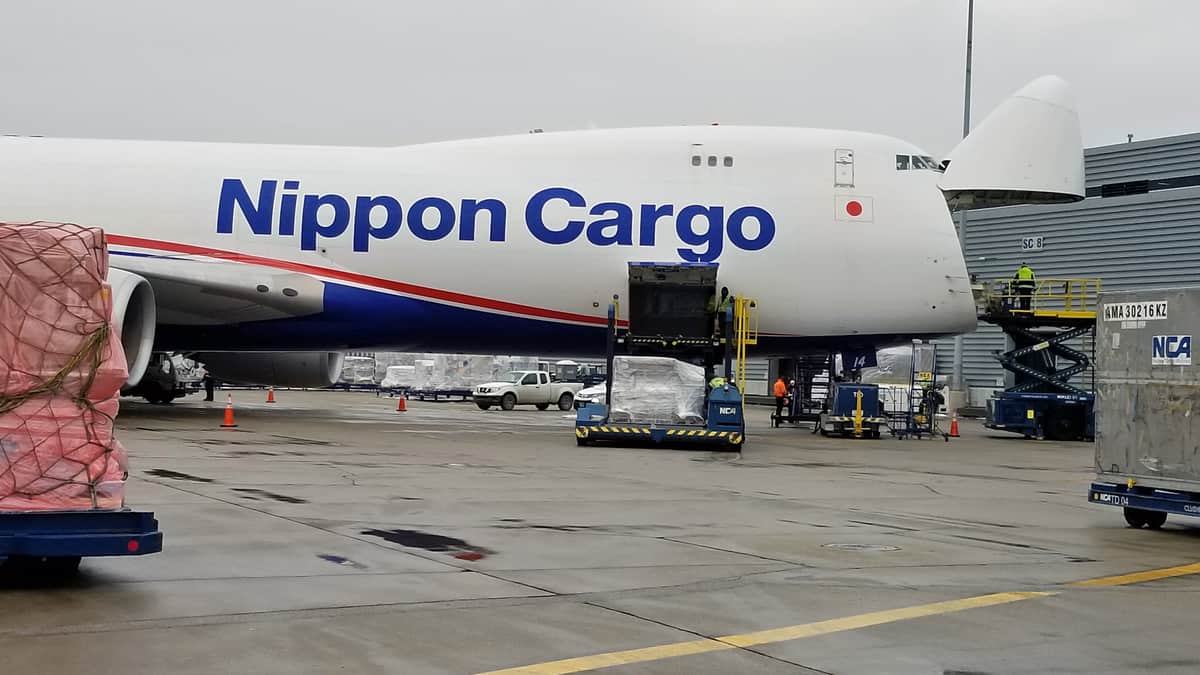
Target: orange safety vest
x=780, y=388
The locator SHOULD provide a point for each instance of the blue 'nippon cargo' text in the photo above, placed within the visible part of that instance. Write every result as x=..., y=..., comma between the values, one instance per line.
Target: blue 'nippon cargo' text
x=554, y=215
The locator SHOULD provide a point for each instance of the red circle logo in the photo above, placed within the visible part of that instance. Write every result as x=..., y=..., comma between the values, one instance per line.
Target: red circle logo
x=854, y=208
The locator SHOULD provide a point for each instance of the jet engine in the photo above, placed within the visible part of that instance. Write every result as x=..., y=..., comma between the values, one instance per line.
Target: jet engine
x=280, y=369
x=135, y=316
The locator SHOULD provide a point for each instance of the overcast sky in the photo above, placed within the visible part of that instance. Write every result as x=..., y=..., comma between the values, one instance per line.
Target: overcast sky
x=379, y=72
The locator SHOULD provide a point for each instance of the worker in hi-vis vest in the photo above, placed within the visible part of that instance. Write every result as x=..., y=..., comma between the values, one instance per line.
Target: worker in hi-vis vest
x=717, y=307
x=781, y=393
x=1024, y=284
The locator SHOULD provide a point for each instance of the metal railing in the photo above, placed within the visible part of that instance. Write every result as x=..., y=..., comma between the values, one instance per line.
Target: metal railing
x=745, y=334
x=1075, y=297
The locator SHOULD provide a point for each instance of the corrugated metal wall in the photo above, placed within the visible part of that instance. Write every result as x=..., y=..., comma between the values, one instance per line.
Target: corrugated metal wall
x=1137, y=241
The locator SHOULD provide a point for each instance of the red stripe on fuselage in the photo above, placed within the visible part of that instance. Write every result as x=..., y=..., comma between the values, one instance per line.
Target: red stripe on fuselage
x=374, y=282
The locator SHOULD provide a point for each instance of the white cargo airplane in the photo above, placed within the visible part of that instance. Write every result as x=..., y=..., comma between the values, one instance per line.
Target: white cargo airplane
x=517, y=244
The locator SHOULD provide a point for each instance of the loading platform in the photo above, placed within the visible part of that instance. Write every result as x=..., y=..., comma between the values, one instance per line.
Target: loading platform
x=668, y=317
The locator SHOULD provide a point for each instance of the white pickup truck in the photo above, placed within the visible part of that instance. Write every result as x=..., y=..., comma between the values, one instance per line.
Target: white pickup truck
x=527, y=387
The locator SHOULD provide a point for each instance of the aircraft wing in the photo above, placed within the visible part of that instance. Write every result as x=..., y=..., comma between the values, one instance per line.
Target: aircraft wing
x=202, y=292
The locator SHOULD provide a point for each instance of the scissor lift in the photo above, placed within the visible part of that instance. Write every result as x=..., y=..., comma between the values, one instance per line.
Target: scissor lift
x=1045, y=399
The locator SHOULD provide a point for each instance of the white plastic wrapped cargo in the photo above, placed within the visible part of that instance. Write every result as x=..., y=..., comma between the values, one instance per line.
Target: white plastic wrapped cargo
x=894, y=366
x=649, y=389
x=422, y=373
x=399, y=377
x=459, y=371
x=385, y=360
x=358, y=370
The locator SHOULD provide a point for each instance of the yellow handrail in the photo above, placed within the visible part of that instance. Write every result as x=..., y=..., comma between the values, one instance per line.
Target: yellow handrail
x=1076, y=296
x=745, y=333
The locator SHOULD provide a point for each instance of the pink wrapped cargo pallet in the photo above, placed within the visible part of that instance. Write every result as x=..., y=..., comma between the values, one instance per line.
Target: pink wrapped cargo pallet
x=61, y=371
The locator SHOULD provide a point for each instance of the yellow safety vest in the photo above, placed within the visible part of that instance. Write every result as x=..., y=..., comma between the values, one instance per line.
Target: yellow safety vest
x=1024, y=274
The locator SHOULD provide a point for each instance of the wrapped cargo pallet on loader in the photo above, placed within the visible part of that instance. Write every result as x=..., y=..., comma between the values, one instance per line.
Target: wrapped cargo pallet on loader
x=1148, y=404
x=650, y=389
x=61, y=371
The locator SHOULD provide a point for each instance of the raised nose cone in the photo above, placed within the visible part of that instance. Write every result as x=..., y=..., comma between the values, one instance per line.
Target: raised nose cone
x=1027, y=151
x=1050, y=89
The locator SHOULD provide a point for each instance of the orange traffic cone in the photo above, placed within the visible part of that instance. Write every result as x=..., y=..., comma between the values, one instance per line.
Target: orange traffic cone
x=229, y=423
x=402, y=404
x=270, y=394
x=954, y=426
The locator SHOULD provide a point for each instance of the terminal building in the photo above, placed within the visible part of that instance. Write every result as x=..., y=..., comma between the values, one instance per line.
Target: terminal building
x=1138, y=228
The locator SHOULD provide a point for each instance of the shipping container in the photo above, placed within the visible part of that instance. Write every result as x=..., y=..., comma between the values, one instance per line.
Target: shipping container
x=1148, y=404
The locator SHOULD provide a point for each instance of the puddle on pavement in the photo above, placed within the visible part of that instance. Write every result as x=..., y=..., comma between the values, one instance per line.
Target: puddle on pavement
x=431, y=542
x=176, y=475
x=339, y=560
x=270, y=495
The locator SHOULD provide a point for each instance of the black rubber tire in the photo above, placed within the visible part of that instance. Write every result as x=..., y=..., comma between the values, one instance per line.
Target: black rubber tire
x=542, y=406
x=581, y=442
x=1155, y=519
x=1137, y=518
x=484, y=406
x=508, y=401
x=566, y=402
x=1063, y=425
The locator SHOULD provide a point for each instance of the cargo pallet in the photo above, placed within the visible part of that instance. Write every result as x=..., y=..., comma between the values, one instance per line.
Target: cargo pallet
x=1043, y=402
x=724, y=421
x=58, y=540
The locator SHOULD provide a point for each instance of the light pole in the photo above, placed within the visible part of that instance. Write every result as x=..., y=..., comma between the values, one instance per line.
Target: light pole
x=958, y=383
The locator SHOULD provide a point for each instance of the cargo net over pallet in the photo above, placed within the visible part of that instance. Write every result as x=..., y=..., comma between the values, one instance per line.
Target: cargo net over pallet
x=61, y=371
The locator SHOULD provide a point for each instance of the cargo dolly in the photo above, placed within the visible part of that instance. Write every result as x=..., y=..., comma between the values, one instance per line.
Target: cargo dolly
x=1044, y=400
x=1145, y=506
x=668, y=317
x=56, y=541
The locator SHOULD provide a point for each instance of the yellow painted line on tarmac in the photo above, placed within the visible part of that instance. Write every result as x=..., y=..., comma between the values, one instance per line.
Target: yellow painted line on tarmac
x=585, y=663
x=1139, y=577
x=816, y=628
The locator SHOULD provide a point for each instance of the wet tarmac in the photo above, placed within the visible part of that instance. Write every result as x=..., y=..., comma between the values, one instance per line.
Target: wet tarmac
x=329, y=533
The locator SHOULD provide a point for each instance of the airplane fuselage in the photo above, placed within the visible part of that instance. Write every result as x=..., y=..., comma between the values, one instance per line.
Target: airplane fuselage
x=512, y=244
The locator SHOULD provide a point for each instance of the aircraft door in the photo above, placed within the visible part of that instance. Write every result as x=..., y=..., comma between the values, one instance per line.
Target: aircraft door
x=843, y=167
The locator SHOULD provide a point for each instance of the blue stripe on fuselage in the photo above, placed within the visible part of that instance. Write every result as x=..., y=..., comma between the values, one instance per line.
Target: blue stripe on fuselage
x=358, y=318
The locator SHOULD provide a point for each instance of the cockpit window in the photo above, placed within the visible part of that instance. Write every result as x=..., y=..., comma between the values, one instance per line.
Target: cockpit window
x=917, y=162
x=925, y=162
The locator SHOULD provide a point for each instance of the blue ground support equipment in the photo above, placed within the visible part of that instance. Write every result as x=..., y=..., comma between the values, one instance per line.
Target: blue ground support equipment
x=853, y=411
x=668, y=317
x=1051, y=332
x=63, y=537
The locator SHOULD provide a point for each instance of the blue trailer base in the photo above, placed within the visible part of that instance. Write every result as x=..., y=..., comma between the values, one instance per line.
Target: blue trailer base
x=724, y=425
x=76, y=534
x=691, y=435
x=1145, y=499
